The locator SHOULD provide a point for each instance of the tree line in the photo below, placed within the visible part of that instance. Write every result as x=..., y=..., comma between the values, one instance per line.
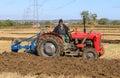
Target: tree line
x=91, y=18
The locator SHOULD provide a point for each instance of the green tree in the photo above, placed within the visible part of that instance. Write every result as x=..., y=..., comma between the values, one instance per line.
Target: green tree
x=1, y=23
x=103, y=21
x=94, y=17
x=9, y=22
x=90, y=18
x=116, y=22
x=86, y=14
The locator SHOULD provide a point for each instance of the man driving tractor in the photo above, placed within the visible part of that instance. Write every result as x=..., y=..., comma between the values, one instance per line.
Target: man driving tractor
x=62, y=30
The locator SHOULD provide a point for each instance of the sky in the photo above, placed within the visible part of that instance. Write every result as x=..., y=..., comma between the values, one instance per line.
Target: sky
x=57, y=9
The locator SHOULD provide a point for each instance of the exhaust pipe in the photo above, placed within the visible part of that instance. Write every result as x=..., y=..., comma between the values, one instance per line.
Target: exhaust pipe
x=84, y=22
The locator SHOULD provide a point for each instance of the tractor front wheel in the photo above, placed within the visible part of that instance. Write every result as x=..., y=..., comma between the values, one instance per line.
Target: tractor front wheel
x=90, y=53
x=49, y=46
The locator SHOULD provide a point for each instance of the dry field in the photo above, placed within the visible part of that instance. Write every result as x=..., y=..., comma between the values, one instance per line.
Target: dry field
x=112, y=51
x=6, y=36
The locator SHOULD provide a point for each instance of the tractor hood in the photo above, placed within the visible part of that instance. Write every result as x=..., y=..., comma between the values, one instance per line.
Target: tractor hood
x=82, y=35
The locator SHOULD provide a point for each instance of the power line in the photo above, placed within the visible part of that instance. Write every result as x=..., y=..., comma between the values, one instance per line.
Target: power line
x=43, y=2
x=65, y=5
x=36, y=6
x=27, y=14
x=35, y=13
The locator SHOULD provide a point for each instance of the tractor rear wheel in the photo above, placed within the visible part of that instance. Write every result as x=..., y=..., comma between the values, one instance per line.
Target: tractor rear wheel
x=49, y=45
x=90, y=53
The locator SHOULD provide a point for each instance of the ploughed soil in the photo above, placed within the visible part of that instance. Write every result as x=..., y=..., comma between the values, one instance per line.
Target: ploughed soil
x=31, y=64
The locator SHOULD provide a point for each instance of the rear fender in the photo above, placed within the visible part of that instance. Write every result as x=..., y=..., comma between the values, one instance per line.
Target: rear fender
x=51, y=33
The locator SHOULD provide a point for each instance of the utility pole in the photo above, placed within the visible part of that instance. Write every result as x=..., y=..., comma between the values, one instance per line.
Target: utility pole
x=35, y=13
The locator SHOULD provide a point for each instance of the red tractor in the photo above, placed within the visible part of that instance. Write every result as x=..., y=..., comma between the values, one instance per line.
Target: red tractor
x=86, y=45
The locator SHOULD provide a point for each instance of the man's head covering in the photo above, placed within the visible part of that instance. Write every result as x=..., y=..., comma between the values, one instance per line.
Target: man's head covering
x=60, y=20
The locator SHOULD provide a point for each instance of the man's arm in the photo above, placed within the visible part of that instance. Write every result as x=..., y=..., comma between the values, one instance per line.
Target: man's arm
x=55, y=30
x=66, y=28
